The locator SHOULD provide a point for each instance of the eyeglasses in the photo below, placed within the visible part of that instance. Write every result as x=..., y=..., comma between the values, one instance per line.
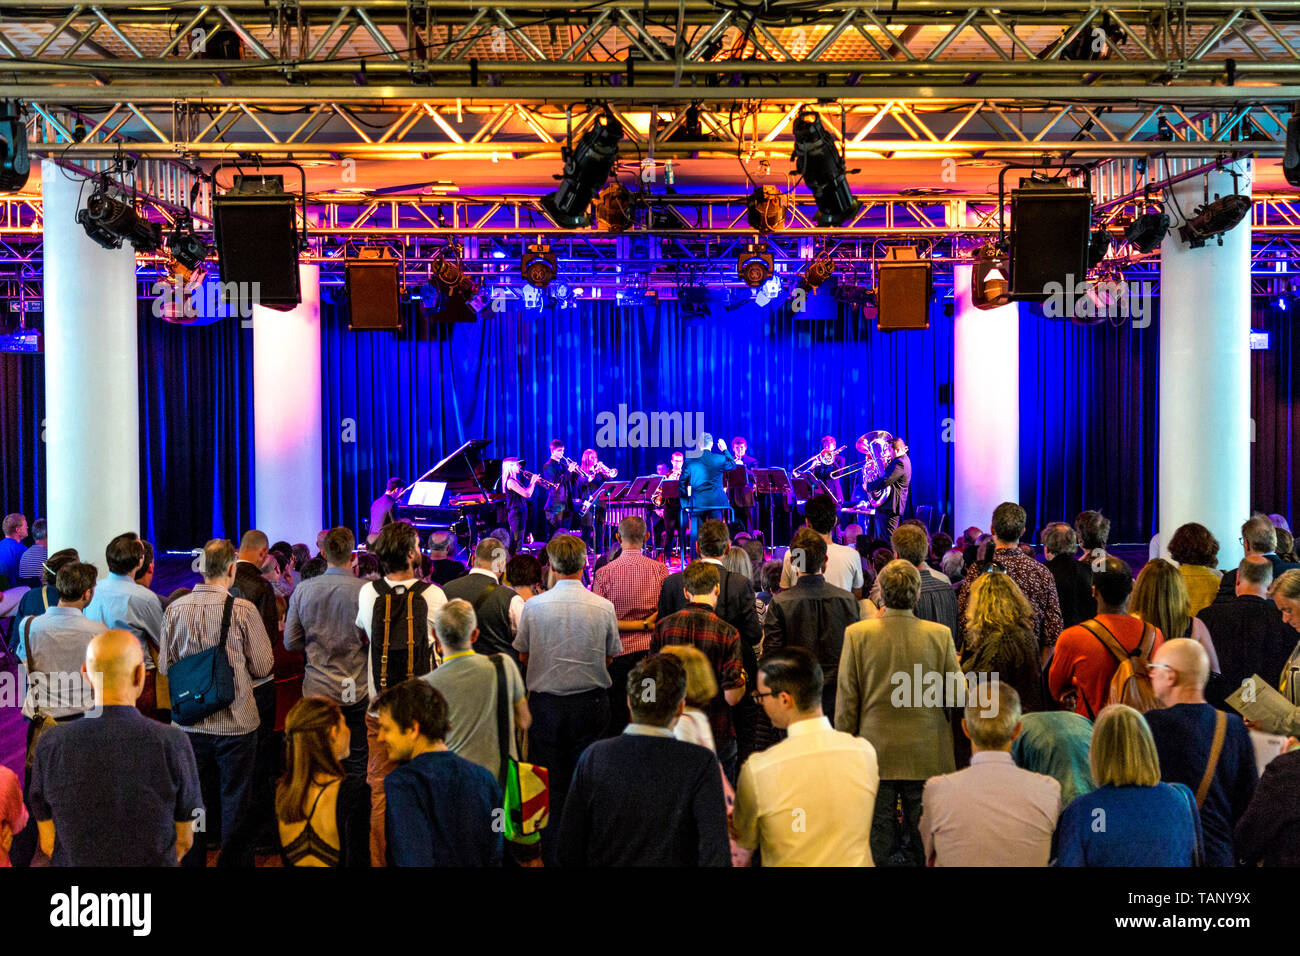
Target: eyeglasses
x=1163, y=666
x=758, y=696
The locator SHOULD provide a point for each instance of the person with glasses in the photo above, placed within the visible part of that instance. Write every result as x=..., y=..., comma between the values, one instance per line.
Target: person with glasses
x=1209, y=750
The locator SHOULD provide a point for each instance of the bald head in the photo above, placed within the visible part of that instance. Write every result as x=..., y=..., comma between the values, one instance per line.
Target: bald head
x=254, y=543
x=1180, y=671
x=115, y=666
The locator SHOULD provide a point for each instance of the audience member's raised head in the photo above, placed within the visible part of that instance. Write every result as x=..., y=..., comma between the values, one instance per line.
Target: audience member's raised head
x=567, y=555
x=253, y=546
x=713, y=540
x=1258, y=535
x=524, y=571
x=336, y=547
x=656, y=690
x=790, y=682
x=702, y=581
x=315, y=567
x=412, y=718
x=284, y=547
x=771, y=575
x=40, y=530
x=442, y=544
x=367, y=566
x=455, y=624
x=1254, y=575
x=398, y=549
x=124, y=554
x=911, y=543
x=301, y=555
x=701, y=683
x=316, y=737
x=115, y=668
x=632, y=532
x=1009, y=523
x=491, y=555
x=996, y=727
x=736, y=560
x=1179, y=672
x=1193, y=544
x=953, y=564
x=821, y=513
x=971, y=535
x=879, y=558
x=996, y=606
x=1093, y=529
x=1160, y=598
x=55, y=561
x=1113, y=583
x=218, y=562
x=1123, y=752
x=14, y=526
x=940, y=544
x=808, y=552
x=1059, y=539
x=75, y=583
x=900, y=585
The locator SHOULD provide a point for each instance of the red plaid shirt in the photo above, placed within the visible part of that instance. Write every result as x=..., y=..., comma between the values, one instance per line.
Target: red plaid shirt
x=698, y=626
x=631, y=582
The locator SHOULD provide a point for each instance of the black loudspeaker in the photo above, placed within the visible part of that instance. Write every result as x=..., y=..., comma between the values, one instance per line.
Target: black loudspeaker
x=903, y=292
x=257, y=240
x=1291, y=157
x=373, y=296
x=1050, y=231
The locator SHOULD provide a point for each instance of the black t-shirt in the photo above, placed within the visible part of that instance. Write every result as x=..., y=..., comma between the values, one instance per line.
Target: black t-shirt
x=115, y=786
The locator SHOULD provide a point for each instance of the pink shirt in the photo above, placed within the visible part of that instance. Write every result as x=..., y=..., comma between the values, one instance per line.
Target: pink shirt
x=13, y=813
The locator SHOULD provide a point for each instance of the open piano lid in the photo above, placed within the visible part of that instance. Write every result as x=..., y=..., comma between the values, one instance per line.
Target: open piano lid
x=465, y=472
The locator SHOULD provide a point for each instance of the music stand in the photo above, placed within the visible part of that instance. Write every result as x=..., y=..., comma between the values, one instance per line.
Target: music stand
x=772, y=481
x=606, y=492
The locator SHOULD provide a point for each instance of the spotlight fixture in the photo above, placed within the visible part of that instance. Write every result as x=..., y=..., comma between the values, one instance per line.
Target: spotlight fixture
x=1098, y=247
x=1213, y=219
x=188, y=251
x=14, y=164
x=110, y=221
x=1147, y=230
x=769, y=291
x=693, y=301
x=766, y=207
x=820, y=268
x=755, y=264
x=989, y=288
x=614, y=208
x=538, y=265
x=820, y=164
x=586, y=167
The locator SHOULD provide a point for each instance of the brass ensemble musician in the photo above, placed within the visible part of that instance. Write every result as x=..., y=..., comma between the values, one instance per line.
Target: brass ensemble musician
x=897, y=480
x=519, y=487
x=561, y=472
x=827, y=461
x=744, y=503
x=670, y=509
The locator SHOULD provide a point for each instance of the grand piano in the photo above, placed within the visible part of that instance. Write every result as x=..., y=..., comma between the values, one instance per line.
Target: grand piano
x=455, y=495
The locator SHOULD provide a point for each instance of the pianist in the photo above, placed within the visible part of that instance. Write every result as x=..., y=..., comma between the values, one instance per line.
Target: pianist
x=381, y=510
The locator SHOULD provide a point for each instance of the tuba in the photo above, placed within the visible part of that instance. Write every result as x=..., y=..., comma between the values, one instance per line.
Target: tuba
x=875, y=447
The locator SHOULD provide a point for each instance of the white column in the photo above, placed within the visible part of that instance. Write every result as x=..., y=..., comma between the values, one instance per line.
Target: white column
x=986, y=407
x=1205, y=426
x=92, y=425
x=288, y=472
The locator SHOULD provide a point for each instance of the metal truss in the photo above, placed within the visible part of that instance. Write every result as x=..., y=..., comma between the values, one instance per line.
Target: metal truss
x=310, y=51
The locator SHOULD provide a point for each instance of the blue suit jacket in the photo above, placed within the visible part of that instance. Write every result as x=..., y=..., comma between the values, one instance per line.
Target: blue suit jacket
x=701, y=483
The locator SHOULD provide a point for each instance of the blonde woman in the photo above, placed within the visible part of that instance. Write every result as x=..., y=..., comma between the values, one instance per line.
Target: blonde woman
x=1131, y=819
x=738, y=560
x=1161, y=599
x=518, y=493
x=1000, y=637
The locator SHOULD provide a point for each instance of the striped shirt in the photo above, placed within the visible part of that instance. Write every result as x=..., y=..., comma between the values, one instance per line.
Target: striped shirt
x=632, y=582
x=192, y=623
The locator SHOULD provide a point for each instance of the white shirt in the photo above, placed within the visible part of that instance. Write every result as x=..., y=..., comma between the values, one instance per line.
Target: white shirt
x=693, y=728
x=433, y=596
x=843, y=568
x=808, y=801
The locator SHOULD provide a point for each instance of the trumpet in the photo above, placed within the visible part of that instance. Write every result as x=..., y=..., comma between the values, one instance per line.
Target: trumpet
x=529, y=476
x=602, y=468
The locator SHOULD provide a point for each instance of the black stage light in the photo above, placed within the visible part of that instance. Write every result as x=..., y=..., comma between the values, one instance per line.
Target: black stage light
x=1147, y=230
x=755, y=264
x=820, y=164
x=989, y=288
x=614, y=208
x=258, y=240
x=820, y=268
x=1214, y=219
x=538, y=265
x=14, y=164
x=905, y=285
x=766, y=209
x=110, y=221
x=694, y=301
x=586, y=167
x=1098, y=247
x=187, y=249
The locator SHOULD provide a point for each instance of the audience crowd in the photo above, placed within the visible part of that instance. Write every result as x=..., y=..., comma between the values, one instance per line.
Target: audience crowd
x=921, y=701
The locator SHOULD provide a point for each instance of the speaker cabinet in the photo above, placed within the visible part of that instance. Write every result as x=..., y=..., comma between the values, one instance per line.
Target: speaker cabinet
x=257, y=241
x=903, y=292
x=373, y=303
x=1050, y=231
x=1291, y=157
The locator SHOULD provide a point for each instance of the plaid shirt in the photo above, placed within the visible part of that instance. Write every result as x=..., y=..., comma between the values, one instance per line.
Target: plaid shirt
x=698, y=626
x=193, y=623
x=1035, y=580
x=632, y=582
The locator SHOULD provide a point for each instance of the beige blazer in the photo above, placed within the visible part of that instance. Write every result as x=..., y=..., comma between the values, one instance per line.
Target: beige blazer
x=880, y=697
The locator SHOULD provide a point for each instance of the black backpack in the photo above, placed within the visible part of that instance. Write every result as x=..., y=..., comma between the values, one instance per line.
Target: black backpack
x=399, y=633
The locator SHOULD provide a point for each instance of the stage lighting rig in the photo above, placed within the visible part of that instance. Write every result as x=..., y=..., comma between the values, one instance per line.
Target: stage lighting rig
x=820, y=268
x=614, y=208
x=586, y=167
x=766, y=209
x=754, y=265
x=187, y=249
x=989, y=288
x=821, y=165
x=14, y=164
x=1147, y=230
x=110, y=221
x=1098, y=247
x=1213, y=219
x=538, y=265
